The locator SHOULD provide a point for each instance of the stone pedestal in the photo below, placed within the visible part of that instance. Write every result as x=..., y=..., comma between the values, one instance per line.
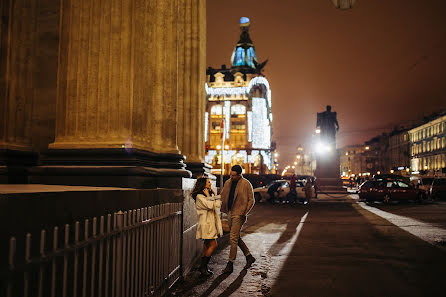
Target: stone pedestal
x=200, y=169
x=111, y=167
x=327, y=173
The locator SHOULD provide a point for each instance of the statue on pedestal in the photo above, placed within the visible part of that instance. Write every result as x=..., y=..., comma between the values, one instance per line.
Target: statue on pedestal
x=328, y=125
x=327, y=167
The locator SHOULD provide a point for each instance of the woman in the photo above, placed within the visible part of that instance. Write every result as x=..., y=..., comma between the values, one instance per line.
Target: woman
x=209, y=224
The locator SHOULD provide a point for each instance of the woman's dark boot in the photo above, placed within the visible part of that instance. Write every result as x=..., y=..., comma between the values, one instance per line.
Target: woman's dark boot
x=204, y=266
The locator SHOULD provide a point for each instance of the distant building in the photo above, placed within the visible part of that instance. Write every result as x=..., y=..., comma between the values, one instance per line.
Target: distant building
x=428, y=147
x=238, y=109
x=351, y=160
x=398, y=152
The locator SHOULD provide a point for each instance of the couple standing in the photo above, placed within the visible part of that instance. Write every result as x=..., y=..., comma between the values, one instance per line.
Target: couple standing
x=236, y=200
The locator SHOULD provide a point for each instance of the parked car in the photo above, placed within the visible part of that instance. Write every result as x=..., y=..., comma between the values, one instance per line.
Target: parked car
x=281, y=188
x=438, y=188
x=388, y=190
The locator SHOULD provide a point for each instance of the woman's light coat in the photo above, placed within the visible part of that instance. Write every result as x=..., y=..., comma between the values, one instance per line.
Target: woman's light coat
x=209, y=223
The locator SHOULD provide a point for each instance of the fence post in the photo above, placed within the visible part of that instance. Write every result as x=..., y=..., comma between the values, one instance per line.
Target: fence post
x=12, y=250
x=119, y=225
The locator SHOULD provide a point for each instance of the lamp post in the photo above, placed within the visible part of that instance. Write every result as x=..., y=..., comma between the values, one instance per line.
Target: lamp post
x=222, y=131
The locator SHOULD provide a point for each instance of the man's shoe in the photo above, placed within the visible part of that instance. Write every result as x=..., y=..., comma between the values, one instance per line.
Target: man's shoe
x=249, y=261
x=229, y=268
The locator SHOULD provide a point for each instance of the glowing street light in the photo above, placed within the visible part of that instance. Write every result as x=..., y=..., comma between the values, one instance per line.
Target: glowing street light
x=295, y=163
x=317, y=131
x=218, y=147
x=276, y=154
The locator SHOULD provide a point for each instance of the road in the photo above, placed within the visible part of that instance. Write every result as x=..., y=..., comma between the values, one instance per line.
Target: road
x=334, y=247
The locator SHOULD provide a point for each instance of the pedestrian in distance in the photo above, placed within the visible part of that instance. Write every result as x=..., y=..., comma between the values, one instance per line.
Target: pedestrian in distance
x=308, y=190
x=209, y=225
x=272, y=191
x=316, y=187
x=293, y=184
x=237, y=200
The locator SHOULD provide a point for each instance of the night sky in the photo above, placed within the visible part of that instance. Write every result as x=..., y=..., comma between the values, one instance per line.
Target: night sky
x=380, y=64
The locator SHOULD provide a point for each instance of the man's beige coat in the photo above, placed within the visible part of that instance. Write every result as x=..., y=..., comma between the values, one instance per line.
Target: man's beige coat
x=209, y=224
x=243, y=197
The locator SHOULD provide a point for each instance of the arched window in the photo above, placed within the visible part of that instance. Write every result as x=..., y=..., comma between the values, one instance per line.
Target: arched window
x=216, y=110
x=251, y=57
x=238, y=109
x=239, y=57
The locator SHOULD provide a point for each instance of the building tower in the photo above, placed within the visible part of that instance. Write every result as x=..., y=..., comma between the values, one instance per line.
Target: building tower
x=238, y=111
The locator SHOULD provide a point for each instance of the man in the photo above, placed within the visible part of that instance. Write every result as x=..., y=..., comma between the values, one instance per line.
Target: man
x=237, y=200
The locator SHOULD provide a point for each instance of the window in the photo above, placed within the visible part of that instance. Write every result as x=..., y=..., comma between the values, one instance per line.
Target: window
x=216, y=110
x=239, y=125
x=215, y=126
x=251, y=56
x=239, y=57
x=238, y=109
x=402, y=185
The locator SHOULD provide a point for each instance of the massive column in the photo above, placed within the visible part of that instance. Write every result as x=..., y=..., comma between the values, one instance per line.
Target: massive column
x=117, y=75
x=28, y=69
x=192, y=69
x=117, y=95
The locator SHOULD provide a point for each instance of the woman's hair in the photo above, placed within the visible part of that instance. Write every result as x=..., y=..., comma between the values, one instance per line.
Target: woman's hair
x=200, y=184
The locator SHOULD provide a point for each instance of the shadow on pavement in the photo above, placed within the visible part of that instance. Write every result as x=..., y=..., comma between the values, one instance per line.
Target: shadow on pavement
x=284, y=238
x=233, y=286
x=187, y=286
x=215, y=284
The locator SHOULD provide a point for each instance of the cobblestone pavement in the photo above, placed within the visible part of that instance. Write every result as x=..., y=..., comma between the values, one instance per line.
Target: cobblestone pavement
x=332, y=247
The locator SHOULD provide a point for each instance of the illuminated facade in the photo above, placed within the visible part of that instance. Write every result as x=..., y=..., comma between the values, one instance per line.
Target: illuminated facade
x=428, y=147
x=238, y=111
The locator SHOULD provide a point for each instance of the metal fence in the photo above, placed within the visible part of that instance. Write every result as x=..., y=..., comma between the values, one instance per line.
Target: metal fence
x=131, y=253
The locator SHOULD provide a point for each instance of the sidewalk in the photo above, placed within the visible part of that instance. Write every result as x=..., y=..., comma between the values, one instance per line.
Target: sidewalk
x=268, y=240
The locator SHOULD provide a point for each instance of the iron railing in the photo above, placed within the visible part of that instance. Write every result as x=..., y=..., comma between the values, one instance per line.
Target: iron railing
x=131, y=253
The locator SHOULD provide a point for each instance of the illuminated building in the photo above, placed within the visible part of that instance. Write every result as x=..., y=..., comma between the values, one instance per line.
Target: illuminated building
x=238, y=109
x=428, y=147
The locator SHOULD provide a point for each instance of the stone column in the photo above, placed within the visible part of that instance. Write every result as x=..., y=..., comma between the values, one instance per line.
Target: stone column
x=117, y=75
x=17, y=46
x=117, y=91
x=28, y=72
x=191, y=93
